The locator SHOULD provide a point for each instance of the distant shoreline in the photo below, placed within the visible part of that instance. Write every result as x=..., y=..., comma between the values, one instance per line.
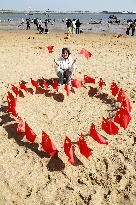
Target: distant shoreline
x=61, y=12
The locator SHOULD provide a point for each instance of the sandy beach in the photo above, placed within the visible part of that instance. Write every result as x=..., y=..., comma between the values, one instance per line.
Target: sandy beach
x=28, y=176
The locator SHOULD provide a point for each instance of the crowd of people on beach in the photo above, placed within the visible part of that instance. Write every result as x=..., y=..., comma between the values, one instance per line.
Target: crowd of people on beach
x=73, y=26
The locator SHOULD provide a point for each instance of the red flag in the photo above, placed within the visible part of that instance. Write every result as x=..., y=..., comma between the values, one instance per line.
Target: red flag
x=126, y=104
x=23, y=86
x=121, y=95
x=88, y=79
x=12, y=104
x=86, y=53
x=76, y=83
x=109, y=127
x=10, y=96
x=55, y=85
x=50, y=49
x=45, y=84
x=30, y=135
x=67, y=89
x=96, y=136
x=84, y=149
x=15, y=90
x=101, y=83
x=114, y=89
x=68, y=149
x=122, y=117
x=34, y=82
x=21, y=126
x=47, y=145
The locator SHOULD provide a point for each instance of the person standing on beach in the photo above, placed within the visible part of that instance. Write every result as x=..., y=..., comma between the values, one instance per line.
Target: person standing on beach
x=69, y=26
x=28, y=23
x=78, y=24
x=65, y=67
x=74, y=26
x=133, y=27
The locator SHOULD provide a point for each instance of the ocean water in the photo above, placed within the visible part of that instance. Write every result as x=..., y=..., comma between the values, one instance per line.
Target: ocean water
x=13, y=20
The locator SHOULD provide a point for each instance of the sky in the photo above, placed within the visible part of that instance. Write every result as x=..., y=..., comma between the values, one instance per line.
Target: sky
x=69, y=5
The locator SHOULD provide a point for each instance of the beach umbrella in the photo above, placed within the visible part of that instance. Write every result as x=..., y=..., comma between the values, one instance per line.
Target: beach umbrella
x=84, y=149
x=48, y=145
x=96, y=136
x=68, y=149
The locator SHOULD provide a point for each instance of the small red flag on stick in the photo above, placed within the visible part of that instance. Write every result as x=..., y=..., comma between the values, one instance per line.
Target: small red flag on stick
x=45, y=85
x=121, y=95
x=96, y=136
x=84, y=149
x=114, y=89
x=21, y=126
x=55, y=85
x=12, y=104
x=122, y=117
x=67, y=89
x=50, y=49
x=88, y=79
x=34, y=83
x=109, y=127
x=30, y=135
x=101, y=83
x=23, y=87
x=126, y=104
x=68, y=149
x=47, y=145
x=86, y=53
x=76, y=83
x=15, y=90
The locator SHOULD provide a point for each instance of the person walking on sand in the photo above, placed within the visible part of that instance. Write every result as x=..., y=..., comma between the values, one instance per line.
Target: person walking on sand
x=133, y=27
x=65, y=67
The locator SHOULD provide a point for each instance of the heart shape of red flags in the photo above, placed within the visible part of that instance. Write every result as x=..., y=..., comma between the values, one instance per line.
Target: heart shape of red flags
x=30, y=135
x=47, y=145
x=122, y=117
x=34, y=82
x=121, y=95
x=88, y=79
x=23, y=87
x=68, y=149
x=114, y=89
x=15, y=90
x=12, y=104
x=101, y=83
x=45, y=85
x=67, y=89
x=55, y=85
x=50, y=49
x=84, y=149
x=76, y=83
x=86, y=53
x=96, y=136
x=109, y=127
x=21, y=126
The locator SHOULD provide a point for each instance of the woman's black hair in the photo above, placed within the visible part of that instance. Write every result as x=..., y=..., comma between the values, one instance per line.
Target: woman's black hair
x=66, y=50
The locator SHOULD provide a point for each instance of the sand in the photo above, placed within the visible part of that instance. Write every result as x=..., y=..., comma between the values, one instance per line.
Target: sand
x=27, y=174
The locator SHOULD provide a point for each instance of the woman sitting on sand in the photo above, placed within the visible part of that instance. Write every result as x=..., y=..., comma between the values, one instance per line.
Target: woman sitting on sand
x=65, y=67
